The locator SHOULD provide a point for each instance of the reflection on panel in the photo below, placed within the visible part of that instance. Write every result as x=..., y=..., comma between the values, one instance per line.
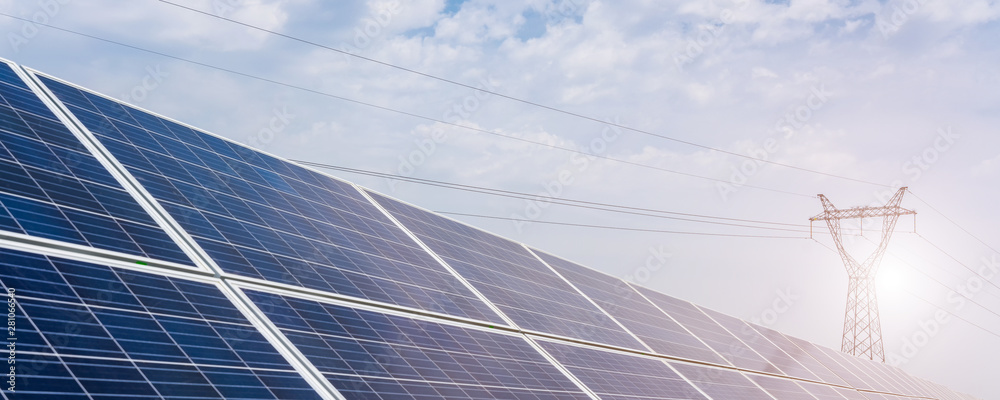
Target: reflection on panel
x=617, y=298
x=761, y=345
x=783, y=389
x=619, y=376
x=52, y=187
x=511, y=277
x=710, y=332
x=261, y=217
x=90, y=330
x=786, y=345
x=721, y=383
x=365, y=354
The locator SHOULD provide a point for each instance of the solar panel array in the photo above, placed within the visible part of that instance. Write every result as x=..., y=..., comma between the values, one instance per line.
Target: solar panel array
x=143, y=258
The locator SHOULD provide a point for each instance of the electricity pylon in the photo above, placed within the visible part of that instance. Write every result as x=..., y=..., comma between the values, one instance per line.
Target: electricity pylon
x=862, y=330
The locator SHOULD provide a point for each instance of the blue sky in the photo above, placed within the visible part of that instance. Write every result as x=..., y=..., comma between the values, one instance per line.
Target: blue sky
x=900, y=92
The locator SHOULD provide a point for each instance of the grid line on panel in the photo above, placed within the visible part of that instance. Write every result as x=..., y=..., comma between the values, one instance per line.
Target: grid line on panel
x=720, y=383
x=438, y=258
x=707, y=334
x=589, y=299
x=821, y=392
x=55, y=248
x=355, y=347
x=261, y=217
x=848, y=375
x=510, y=277
x=55, y=188
x=137, y=334
x=653, y=327
x=761, y=345
x=803, y=357
x=782, y=389
x=612, y=374
x=558, y=365
x=873, y=382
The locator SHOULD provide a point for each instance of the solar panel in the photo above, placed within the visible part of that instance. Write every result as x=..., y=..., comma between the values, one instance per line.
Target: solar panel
x=800, y=355
x=780, y=388
x=822, y=392
x=828, y=361
x=325, y=286
x=613, y=375
x=510, y=277
x=367, y=354
x=656, y=329
x=54, y=188
x=919, y=387
x=721, y=383
x=710, y=332
x=851, y=394
x=90, y=330
x=265, y=218
x=761, y=345
x=902, y=385
x=871, y=381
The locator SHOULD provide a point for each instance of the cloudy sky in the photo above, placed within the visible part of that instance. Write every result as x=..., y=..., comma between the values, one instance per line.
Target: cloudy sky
x=859, y=97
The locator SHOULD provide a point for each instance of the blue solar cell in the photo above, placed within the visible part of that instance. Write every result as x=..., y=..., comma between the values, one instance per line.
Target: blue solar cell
x=622, y=302
x=89, y=329
x=264, y=218
x=366, y=354
x=53, y=188
x=511, y=277
x=619, y=376
x=721, y=383
x=701, y=325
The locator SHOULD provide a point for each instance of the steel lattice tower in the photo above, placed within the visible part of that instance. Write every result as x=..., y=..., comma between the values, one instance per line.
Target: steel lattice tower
x=862, y=330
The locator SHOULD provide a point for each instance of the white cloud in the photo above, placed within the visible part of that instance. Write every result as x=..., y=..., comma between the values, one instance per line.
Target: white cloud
x=761, y=72
x=987, y=167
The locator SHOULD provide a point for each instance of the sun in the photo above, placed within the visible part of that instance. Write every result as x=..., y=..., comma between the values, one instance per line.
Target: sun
x=891, y=278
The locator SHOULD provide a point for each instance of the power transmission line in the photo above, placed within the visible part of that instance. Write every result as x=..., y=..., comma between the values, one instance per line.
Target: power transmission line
x=619, y=227
x=976, y=273
x=392, y=110
x=939, y=282
x=953, y=222
x=951, y=313
x=913, y=267
x=519, y=100
x=561, y=201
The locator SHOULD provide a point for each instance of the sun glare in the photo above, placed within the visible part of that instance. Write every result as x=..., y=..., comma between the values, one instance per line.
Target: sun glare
x=891, y=278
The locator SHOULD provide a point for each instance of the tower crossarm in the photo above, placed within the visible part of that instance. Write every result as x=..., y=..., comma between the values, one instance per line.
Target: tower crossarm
x=862, y=212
